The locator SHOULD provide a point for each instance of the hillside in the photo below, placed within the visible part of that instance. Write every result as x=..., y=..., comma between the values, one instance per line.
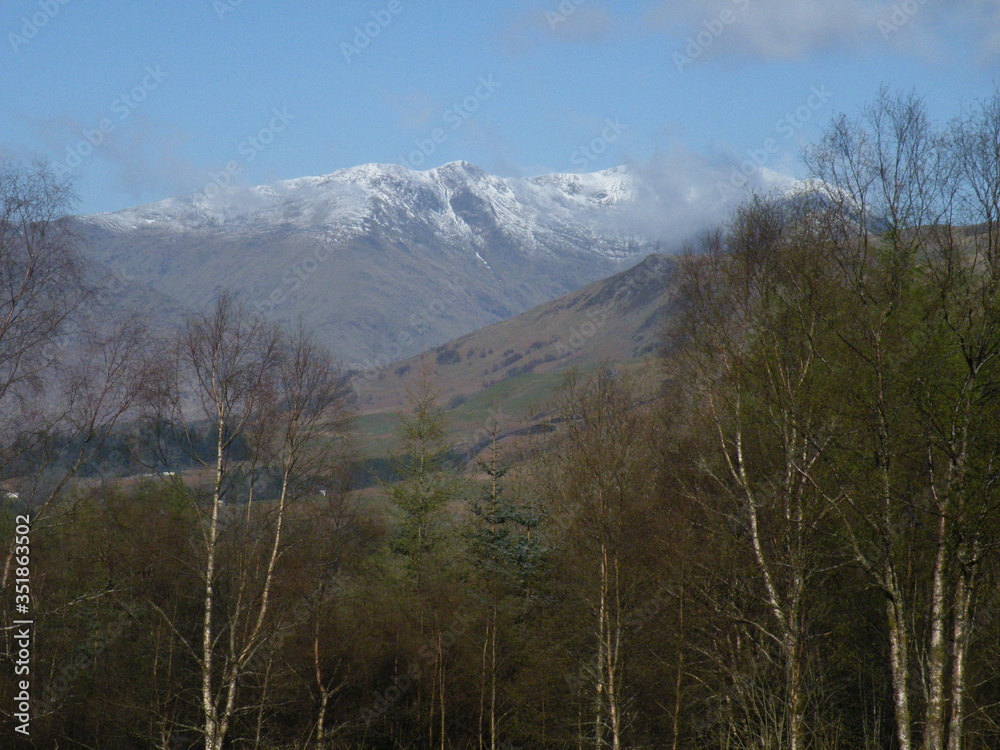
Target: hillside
x=517, y=362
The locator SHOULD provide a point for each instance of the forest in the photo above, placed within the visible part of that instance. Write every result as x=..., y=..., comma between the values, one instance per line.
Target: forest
x=788, y=541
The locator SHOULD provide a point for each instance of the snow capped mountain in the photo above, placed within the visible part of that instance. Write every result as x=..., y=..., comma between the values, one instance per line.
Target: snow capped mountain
x=385, y=261
x=452, y=200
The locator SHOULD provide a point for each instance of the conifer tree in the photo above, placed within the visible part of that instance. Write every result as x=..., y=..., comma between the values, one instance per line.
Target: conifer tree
x=425, y=487
x=506, y=555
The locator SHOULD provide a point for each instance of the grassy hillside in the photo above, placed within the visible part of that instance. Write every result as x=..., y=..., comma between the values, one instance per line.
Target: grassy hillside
x=517, y=361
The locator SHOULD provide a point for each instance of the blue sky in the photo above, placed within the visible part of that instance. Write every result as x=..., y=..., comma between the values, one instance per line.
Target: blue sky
x=138, y=101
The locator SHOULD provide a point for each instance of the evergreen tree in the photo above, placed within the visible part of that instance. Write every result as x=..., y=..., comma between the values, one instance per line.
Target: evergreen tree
x=506, y=555
x=425, y=486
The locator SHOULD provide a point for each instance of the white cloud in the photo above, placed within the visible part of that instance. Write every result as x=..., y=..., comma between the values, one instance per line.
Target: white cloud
x=570, y=21
x=681, y=193
x=775, y=29
x=142, y=153
x=794, y=29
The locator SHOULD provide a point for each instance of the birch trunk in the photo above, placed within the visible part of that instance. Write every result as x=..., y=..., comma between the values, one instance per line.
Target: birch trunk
x=599, y=677
x=680, y=671
x=212, y=740
x=960, y=647
x=937, y=653
x=899, y=658
x=442, y=692
x=324, y=694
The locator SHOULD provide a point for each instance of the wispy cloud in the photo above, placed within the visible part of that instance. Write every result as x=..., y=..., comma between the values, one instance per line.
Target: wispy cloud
x=144, y=156
x=147, y=157
x=776, y=29
x=770, y=29
x=679, y=193
x=981, y=22
x=568, y=21
x=795, y=29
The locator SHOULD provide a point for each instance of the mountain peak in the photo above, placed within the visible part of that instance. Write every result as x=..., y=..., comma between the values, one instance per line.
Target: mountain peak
x=350, y=197
x=460, y=166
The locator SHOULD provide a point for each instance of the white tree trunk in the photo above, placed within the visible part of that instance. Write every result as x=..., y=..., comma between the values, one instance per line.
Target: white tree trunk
x=937, y=655
x=211, y=729
x=899, y=657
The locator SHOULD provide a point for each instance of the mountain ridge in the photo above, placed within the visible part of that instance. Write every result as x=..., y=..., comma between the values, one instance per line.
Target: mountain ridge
x=362, y=252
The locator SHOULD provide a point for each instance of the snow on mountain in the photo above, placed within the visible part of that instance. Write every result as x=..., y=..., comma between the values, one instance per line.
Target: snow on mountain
x=382, y=260
x=441, y=198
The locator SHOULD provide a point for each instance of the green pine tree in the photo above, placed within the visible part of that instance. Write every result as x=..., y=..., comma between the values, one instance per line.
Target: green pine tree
x=425, y=485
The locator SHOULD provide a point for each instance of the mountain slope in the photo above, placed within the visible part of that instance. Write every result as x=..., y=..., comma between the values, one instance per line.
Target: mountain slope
x=381, y=260
x=612, y=320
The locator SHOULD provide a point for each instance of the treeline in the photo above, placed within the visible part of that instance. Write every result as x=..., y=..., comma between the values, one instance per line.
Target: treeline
x=792, y=545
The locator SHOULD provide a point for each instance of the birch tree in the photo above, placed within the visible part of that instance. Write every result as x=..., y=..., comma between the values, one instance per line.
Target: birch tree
x=274, y=403
x=917, y=350
x=598, y=481
x=751, y=353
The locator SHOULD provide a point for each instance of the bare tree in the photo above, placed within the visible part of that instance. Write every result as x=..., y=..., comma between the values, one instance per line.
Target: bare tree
x=71, y=370
x=65, y=379
x=599, y=482
x=301, y=434
x=224, y=361
x=274, y=402
x=40, y=278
